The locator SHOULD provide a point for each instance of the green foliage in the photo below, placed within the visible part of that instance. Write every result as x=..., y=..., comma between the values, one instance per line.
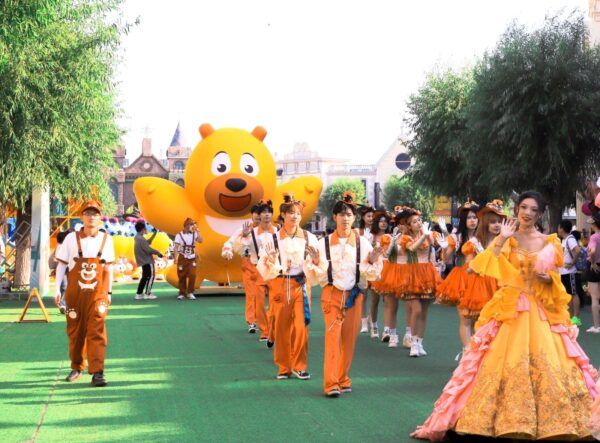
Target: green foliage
x=526, y=117
x=57, y=96
x=334, y=192
x=405, y=192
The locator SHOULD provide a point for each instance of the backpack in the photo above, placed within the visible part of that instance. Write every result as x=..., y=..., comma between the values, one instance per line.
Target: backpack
x=582, y=264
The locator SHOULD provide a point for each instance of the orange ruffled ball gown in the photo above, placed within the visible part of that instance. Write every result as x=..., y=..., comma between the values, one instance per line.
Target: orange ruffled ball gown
x=523, y=375
x=421, y=277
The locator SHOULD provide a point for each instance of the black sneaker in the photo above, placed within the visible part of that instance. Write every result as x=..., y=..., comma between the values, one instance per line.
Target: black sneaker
x=251, y=328
x=73, y=375
x=346, y=389
x=62, y=310
x=283, y=376
x=302, y=375
x=270, y=343
x=263, y=339
x=98, y=380
x=334, y=393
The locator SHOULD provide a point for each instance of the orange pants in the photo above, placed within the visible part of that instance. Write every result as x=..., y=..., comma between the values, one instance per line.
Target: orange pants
x=256, y=294
x=86, y=328
x=186, y=273
x=290, y=334
x=341, y=330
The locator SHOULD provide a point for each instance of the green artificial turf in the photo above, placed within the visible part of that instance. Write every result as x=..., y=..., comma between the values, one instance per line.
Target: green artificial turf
x=189, y=371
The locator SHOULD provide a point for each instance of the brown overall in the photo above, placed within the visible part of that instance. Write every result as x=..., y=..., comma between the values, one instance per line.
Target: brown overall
x=87, y=306
x=186, y=268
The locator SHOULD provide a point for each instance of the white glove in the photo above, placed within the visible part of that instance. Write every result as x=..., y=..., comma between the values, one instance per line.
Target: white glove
x=443, y=242
x=426, y=230
x=227, y=254
x=442, y=223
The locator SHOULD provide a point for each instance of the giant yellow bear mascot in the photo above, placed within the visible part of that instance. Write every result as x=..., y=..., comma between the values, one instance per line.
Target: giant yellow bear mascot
x=228, y=172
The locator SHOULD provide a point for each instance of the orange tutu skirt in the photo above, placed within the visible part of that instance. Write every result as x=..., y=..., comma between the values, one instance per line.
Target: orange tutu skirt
x=479, y=291
x=422, y=280
x=452, y=289
x=384, y=285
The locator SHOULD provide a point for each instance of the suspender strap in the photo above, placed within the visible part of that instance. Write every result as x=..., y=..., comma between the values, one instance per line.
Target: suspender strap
x=276, y=244
x=102, y=245
x=79, y=251
x=254, y=241
x=357, y=237
x=328, y=257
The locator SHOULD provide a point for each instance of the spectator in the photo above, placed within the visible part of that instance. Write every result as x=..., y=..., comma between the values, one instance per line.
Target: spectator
x=568, y=273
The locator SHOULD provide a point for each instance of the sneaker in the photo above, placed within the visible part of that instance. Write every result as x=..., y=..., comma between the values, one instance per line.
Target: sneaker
x=181, y=297
x=407, y=341
x=283, y=376
x=138, y=297
x=594, y=330
x=251, y=328
x=191, y=296
x=393, y=341
x=149, y=297
x=62, y=310
x=576, y=320
x=346, y=389
x=98, y=380
x=334, y=393
x=365, y=326
x=385, y=337
x=73, y=375
x=270, y=343
x=302, y=375
x=414, y=349
x=422, y=352
x=263, y=339
x=374, y=332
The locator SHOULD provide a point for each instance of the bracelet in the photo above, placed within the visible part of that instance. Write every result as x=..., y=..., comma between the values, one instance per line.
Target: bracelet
x=109, y=292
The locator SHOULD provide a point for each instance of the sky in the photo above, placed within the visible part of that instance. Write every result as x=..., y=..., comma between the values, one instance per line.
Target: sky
x=333, y=74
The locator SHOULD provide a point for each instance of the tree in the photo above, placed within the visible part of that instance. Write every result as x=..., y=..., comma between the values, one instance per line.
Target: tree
x=536, y=110
x=403, y=191
x=57, y=97
x=334, y=192
x=440, y=142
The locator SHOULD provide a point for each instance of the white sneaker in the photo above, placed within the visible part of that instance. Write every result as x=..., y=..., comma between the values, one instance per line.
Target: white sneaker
x=393, y=341
x=191, y=297
x=374, y=332
x=138, y=297
x=365, y=326
x=181, y=297
x=407, y=341
x=422, y=352
x=149, y=297
x=414, y=349
x=593, y=330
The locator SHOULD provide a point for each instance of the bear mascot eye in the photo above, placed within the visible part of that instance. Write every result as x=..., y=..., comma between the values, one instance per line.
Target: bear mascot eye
x=221, y=164
x=249, y=165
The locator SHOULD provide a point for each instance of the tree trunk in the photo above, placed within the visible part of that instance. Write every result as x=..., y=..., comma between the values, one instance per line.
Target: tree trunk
x=556, y=212
x=23, y=247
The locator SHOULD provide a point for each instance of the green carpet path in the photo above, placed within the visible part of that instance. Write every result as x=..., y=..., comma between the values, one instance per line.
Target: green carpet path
x=189, y=371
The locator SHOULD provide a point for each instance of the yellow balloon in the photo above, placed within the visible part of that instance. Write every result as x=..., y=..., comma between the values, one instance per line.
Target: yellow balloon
x=123, y=247
x=161, y=242
x=229, y=171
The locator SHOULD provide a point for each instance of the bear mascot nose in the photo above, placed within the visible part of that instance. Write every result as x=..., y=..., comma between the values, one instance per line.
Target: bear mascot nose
x=235, y=184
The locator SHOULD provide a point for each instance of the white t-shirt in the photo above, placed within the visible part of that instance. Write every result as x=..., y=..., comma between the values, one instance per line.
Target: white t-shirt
x=568, y=244
x=183, y=240
x=89, y=248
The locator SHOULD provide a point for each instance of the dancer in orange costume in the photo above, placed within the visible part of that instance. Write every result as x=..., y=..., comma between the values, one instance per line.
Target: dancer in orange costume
x=247, y=244
x=249, y=256
x=523, y=375
x=461, y=249
x=380, y=237
x=342, y=263
x=364, y=229
x=282, y=266
x=89, y=255
x=422, y=276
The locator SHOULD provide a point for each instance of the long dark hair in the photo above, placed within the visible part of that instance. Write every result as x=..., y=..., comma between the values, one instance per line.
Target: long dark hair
x=375, y=227
x=462, y=230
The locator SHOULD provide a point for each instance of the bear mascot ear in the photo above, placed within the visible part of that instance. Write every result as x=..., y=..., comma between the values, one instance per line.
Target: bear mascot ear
x=205, y=130
x=259, y=132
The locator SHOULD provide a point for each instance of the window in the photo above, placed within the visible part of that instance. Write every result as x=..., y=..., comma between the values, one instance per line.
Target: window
x=402, y=161
x=179, y=166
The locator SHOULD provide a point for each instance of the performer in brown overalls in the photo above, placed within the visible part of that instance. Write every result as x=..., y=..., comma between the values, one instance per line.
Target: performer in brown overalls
x=89, y=254
x=185, y=257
